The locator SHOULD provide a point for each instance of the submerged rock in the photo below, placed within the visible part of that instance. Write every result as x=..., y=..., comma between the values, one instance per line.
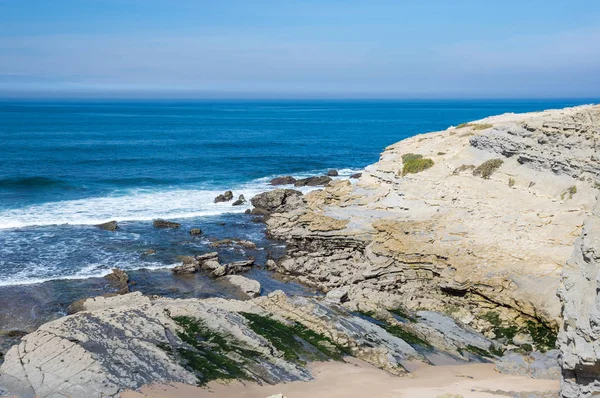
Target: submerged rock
x=313, y=181
x=109, y=226
x=287, y=180
x=249, y=287
x=225, y=197
x=195, y=231
x=234, y=242
x=166, y=224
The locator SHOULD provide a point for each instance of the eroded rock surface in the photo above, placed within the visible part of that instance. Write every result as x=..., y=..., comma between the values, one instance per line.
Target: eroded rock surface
x=489, y=251
x=127, y=341
x=579, y=338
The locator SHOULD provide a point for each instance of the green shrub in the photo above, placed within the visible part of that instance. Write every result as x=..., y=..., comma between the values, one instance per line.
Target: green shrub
x=475, y=126
x=462, y=168
x=415, y=163
x=410, y=157
x=487, y=168
x=572, y=190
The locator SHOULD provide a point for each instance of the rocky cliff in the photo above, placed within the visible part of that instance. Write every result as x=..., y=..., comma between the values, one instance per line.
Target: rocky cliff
x=476, y=221
x=579, y=338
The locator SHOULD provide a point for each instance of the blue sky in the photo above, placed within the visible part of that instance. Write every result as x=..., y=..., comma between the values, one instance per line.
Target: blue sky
x=303, y=48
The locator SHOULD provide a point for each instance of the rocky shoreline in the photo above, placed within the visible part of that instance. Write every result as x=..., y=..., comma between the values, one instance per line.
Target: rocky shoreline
x=450, y=249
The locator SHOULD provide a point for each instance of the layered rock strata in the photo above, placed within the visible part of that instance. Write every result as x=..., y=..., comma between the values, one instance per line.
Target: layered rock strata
x=124, y=342
x=479, y=226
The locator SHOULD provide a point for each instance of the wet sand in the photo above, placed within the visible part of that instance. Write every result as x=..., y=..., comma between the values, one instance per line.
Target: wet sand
x=356, y=379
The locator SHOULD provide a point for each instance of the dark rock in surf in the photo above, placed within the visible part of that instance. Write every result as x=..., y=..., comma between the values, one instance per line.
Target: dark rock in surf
x=241, y=200
x=120, y=279
x=356, y=175
x=286, y=180
x=166, y=224
x=313, y=181
x=109, y=226
x=225, y=197
x=195, y=231
x=332, y=173
x=275, y=200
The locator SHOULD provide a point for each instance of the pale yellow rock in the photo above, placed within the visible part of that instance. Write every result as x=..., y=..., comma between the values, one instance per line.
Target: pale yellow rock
x=500, y=242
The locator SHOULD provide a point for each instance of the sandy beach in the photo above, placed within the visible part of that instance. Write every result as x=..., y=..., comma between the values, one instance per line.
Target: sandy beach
x=357, y=379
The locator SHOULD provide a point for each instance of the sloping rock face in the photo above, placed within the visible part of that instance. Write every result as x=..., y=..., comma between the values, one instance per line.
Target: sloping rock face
x=489, y=251
x=124, y=342
x=579, y=338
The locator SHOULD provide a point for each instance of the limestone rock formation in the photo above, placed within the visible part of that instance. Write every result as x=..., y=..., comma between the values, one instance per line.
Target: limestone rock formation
x=579, y=338
x=249, y=287
x=536, y=365
x=124, y=342
x=489, y=251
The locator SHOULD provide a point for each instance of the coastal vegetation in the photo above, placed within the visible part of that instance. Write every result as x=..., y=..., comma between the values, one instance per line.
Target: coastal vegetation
x=397, y=330
x=415, y=163
x=569, y=192
x=463, y=168
x=487, y=168
x=295, y=340
x=208, y=353
x=475, y=126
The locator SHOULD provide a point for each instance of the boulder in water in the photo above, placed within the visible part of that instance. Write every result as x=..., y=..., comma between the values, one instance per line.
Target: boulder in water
x=195, y=231
x=241, y=200
x=332, y=173
x=225, y=197
x=286, y=180
x=313, y=181
x=273, y=201
x=236, y=267
x=109, y=226
x=166, y=224
x=190, y=266
x=119, y=278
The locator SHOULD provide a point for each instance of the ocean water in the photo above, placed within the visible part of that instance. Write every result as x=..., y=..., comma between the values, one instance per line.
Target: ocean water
x=67, y=165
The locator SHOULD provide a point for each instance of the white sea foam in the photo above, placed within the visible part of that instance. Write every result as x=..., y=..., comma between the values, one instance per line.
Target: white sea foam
x=138, y=205
x=90, y=271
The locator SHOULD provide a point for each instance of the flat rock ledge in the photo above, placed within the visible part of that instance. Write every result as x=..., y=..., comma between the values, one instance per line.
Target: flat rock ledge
x=125, y=342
